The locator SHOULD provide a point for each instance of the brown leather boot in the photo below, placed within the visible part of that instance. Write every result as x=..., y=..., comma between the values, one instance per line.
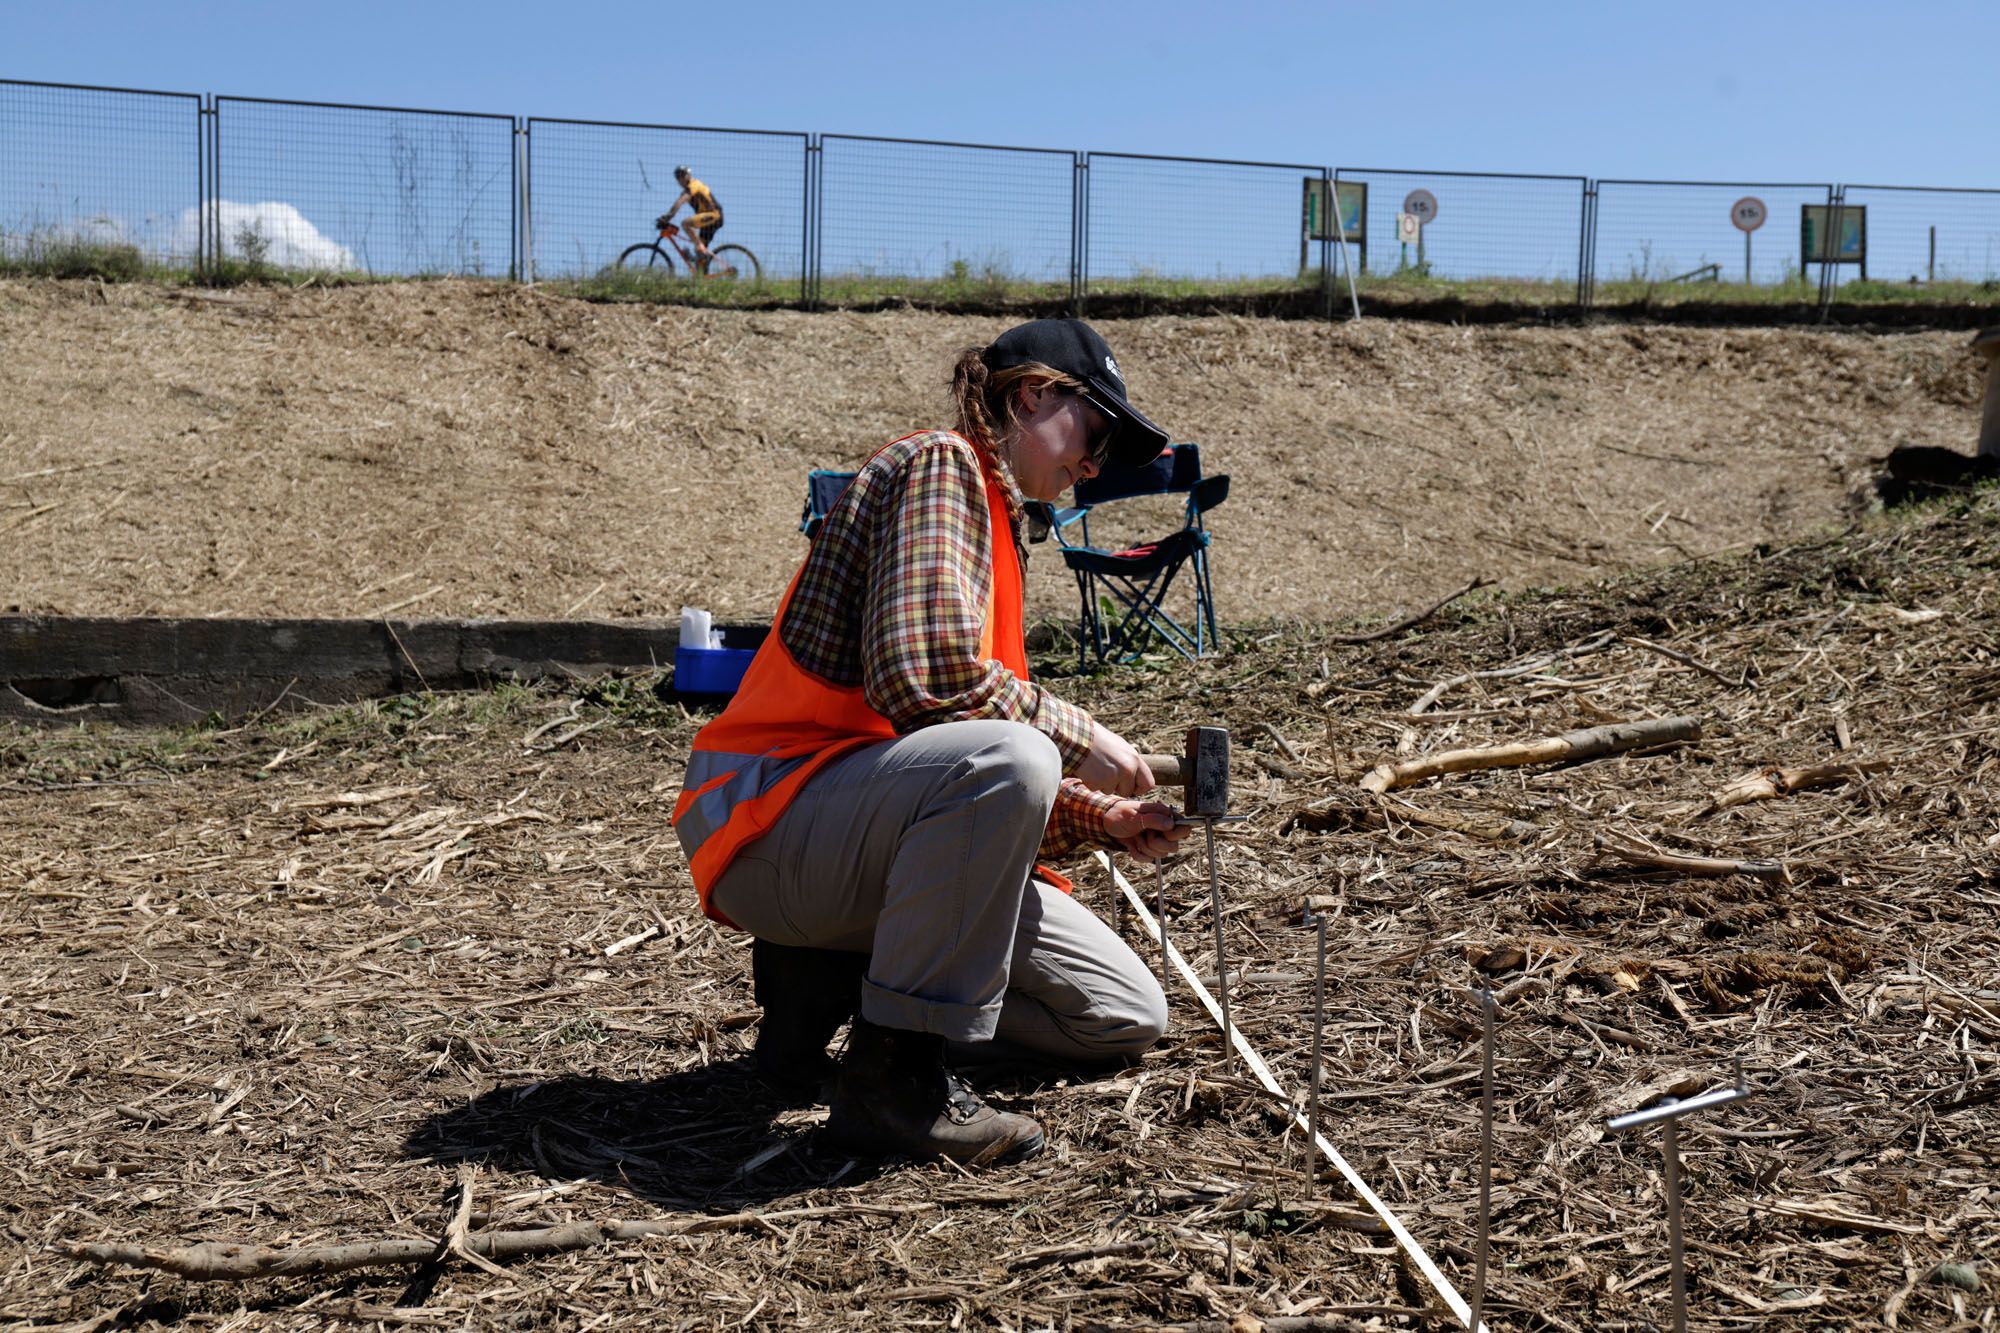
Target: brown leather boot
x=894, y=1096
x=806, y=994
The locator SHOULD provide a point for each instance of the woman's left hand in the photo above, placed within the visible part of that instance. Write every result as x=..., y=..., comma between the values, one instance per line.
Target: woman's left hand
x=1145, y=829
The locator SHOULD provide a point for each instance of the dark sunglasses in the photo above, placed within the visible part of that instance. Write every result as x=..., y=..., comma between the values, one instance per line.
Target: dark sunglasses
x=1100, y=440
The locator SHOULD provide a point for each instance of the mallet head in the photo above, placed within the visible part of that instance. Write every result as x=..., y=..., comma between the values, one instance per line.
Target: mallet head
x=1206, y=772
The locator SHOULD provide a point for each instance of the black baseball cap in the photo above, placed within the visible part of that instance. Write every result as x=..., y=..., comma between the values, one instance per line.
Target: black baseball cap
x=1074, y=348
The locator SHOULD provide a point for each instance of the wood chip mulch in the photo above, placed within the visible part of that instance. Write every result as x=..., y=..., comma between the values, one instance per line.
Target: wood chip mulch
x=429, y=969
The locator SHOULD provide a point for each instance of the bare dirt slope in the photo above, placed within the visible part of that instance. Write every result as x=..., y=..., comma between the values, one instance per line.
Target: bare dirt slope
x=467, y=449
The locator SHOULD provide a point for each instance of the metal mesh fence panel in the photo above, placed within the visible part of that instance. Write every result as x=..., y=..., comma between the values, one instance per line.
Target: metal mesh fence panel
x=969, y=219
x=1477, y=226
x=1653, y=234
x=383, y=190
x=594, y=189
x=1161, y=223
x=108, y=171
x=1918, y=234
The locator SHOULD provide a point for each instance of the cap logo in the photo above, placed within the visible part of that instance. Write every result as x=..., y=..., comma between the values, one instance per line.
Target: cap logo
x=1112, y=366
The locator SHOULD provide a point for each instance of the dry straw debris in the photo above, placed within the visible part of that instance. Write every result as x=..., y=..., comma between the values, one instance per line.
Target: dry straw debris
x=477, y=449
x=286, y=985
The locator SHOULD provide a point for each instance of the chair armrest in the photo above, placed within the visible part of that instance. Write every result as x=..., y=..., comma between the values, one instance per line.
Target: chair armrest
x=1207, y=493
x=1044, y=520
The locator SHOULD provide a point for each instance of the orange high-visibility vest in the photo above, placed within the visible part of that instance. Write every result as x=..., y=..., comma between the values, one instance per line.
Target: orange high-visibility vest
x=785, y=724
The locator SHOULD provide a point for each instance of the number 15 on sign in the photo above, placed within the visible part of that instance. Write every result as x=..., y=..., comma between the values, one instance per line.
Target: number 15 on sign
x=1747, y=214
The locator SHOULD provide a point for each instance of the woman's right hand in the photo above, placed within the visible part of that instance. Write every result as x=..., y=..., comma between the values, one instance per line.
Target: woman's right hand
x=1113, y=765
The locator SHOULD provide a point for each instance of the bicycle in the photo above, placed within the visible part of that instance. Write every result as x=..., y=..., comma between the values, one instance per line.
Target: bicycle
x=731, y=262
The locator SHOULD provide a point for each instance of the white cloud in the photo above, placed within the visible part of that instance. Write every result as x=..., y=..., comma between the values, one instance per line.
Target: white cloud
x=290, y=241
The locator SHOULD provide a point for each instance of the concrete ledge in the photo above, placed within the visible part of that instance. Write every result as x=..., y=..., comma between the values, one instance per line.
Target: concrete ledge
x=158, y=671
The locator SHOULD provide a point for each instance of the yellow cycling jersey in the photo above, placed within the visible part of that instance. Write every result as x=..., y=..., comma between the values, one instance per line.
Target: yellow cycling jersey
x=700, y=198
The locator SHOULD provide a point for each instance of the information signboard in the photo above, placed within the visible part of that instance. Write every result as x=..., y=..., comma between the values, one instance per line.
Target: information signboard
x=1843, y=240
x=1353, y=196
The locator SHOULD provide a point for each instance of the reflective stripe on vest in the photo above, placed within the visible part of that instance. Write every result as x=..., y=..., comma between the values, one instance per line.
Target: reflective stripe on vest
x=785, y=724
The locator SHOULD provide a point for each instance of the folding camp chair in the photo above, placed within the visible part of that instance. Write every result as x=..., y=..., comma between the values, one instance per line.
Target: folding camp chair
x=1138, y=578
x=823, y=491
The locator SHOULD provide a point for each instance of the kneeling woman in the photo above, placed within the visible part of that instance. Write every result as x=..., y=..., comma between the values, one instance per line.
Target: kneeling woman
x=872, y=803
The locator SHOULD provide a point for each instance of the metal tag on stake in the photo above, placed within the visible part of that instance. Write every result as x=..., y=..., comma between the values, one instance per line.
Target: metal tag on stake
x=1669, y=1111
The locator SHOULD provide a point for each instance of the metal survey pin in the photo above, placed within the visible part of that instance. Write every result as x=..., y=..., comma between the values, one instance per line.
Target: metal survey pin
x=1487, y=1007
x=1670, y=1110
x=1319, y=1041
x=1160, y=914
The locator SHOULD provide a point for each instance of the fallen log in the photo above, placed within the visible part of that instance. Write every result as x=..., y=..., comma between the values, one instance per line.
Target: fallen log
x=1591, y=743
x=1769, y=783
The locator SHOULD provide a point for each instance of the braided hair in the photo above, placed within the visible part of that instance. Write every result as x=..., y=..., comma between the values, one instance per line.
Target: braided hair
x=983, y=401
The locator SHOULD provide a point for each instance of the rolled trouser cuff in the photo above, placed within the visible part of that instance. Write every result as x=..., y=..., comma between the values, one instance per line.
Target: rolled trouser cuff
x=954, y=1022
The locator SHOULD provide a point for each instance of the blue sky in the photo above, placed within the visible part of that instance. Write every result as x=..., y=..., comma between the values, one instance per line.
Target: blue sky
x=1783, y=91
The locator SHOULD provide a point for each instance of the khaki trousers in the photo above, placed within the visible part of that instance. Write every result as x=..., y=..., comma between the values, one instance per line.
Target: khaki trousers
x=917, y=851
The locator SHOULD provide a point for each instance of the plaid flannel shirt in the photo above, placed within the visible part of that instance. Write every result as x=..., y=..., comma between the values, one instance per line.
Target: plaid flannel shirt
x=893, y=598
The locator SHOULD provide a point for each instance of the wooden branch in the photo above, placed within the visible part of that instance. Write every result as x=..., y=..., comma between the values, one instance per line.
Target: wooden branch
x=1407, y=621
x=230, y=1261
x=457, y=1240
x=1676, y=655
x=1712, y=867
x=1769, y=783
x=1592, y=743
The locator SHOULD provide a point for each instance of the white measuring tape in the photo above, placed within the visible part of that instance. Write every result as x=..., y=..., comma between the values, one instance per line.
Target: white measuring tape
x=1439, y=1282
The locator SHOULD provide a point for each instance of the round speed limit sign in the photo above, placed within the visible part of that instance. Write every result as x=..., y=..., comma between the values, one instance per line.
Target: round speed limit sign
x=1747, y=213
x=1421, y=205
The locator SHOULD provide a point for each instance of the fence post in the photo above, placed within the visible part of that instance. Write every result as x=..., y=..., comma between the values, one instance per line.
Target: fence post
x=212, y=206
x=1586, y=240
x=1081, y=285
x=810, y=252
x=1326, y=247
x=517, y=268
x=1075, y=232
x=1826, y=243
x=201, y=188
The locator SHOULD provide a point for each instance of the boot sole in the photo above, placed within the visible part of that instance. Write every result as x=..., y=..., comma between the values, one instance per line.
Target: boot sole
x=862, y=1144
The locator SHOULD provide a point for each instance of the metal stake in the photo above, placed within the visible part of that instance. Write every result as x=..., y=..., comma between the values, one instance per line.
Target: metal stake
x=1160, y=912
x=1670, y=1110
x=1487, y=1008
x=1221, y=960
x=1670, y=1144
x=1319, y=1032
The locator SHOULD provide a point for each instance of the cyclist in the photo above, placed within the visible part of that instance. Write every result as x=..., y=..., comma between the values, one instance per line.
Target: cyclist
x=705, y=219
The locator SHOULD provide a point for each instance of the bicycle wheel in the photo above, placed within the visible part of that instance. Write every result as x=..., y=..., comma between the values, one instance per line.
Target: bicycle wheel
x=735, y=263
x=648, y=256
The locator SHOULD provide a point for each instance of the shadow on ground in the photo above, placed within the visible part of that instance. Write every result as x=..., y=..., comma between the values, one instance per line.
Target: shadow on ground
x=712, y=1137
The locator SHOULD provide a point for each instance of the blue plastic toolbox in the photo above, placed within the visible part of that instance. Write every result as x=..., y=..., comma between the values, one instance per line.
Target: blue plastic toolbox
x=718, y=670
